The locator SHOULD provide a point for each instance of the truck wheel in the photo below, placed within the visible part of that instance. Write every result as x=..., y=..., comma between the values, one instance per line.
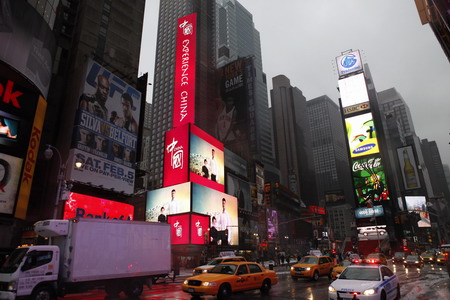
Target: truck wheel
x=134, y=288
x=224, y=292
x=113, y=288
x=43, y=293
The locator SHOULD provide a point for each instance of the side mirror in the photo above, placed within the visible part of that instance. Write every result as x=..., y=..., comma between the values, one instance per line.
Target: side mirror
x=386, y=278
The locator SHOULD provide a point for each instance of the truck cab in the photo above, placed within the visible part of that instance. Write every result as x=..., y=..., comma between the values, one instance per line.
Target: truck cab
x=28, y=271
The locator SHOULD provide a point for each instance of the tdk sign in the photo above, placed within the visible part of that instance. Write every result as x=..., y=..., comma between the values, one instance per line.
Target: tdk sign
x=349, y=63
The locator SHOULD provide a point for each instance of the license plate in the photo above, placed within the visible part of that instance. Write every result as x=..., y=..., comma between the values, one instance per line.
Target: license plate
x=299, y=272
x=191, y=290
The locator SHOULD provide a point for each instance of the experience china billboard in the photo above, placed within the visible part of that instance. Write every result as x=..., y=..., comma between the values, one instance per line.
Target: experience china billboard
x=369, y=181
x=84, y=206
x=223, y=210
x=10, y=169
x=362, y=135
x=166, y=201
x=107, y=122
x=408, y=168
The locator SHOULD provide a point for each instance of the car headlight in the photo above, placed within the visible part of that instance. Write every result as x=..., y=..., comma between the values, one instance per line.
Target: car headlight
x=331, y=289
x=417, y=262
x=206, y=283
x=205, y=271
x=308, y=269
x=185, y=282
x=11, y=286
x=369, y=292
x=292, y=268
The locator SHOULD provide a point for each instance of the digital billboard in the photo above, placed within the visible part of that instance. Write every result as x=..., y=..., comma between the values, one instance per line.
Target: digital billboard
x=8, y=128
x=362, y=135
x=241, y=190
x=100, y=172
x=369, y=180
x=353, y=91
x=10, y=168
x=424, y=219
x=84, y=206
x=206, y=160
x=176, y=156
x=235, y=118
x=408, y=168
x=272, y=224
x=222, y=208
x=199, y=228
x=416, y=203
x=259, y=183
x=108, y=116
x=29, y=43
x=375, y=232
x=185, y=71
x=166, y=201
x=349, y=63
x=369, y=212
x=180, y=229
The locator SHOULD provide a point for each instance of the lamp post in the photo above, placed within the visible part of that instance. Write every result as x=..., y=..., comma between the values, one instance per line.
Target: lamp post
x=61, y=182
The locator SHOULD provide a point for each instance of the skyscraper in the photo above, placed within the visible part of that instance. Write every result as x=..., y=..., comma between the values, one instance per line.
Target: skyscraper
x=329, y=150
x=292, y=139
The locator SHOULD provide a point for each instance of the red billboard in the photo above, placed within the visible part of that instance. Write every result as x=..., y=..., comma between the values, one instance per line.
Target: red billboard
x=179, y=228
x=185, y=73
x=176, y=156
x=199, y=227
x=84, y=206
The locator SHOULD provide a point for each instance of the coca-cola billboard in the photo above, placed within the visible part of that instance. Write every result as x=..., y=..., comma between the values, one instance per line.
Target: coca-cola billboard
x=369, y=181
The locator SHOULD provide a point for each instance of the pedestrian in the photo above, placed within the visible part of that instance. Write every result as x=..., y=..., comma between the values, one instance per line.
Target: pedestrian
x=282, y=259
x=288, y=260
x=298, y=258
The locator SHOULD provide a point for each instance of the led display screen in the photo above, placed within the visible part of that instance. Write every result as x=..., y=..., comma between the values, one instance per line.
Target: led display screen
x=408, y=168
x=179, y=225
x=416, y=203
x=223, y=210
x=168, y=201
x=353, y=91
x=424, y=219
x=206, y=160
x=10, y=168
x=199, y=227
x=272, y=224
x=349, y=63
x=8, y=128
x=375, y=232
x=369, y=180
x=176, y=156
x=84, y=206
x=241, y=190
x=362, y=135
x=369, y=212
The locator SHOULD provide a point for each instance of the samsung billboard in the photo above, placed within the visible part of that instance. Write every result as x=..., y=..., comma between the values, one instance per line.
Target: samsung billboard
x=362, y=135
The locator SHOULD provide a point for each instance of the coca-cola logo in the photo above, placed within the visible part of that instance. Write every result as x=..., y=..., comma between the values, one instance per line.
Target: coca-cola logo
x=371, y=163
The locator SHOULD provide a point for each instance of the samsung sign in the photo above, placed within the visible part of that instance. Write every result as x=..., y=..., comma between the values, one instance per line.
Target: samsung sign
x=365, y=212
x=349, y=63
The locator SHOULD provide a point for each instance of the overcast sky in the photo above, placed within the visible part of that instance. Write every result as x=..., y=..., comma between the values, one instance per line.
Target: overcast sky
x=301, y=38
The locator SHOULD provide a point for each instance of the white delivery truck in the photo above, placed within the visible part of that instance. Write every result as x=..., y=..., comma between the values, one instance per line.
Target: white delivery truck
x=88, y=253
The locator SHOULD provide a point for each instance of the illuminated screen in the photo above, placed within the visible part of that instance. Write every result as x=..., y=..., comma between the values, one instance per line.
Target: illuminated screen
x=241, y=190
x=369, y=180
x=179, y=228
x=168, y=201
x=8, y=128
x=424, y=219
x=176, y=156
x=366, y=212
x=199, y=228
x=224, y=214
x=416, y=203
x=362, y=136
x=353, y=90
x=408, y=168
x=272, y=224
x=84, y=206
x=206, y=160
x=372, y=232
x=10, y=168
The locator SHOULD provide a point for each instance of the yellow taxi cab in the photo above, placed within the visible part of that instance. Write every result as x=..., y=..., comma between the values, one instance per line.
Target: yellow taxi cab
x=214, y=262
x=376, y=258
x=338, y=269
x=230, y=277
x=441, y=258
x=312, y=267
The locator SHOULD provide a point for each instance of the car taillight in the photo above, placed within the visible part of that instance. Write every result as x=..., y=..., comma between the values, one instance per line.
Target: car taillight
x=356, y=261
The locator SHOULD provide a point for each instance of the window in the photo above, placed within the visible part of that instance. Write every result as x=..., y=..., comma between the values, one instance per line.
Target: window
x=242, y=270
x=386, y=272
x=254, y=269
x=36, y=259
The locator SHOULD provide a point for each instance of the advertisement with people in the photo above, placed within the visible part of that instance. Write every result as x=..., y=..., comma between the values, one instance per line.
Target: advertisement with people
x=223, y=210
x=206, y=160
x=166, y=201
x=10, y=168
x=108, y=116
x=362, y=136
x=84, y=206
x=369, y=181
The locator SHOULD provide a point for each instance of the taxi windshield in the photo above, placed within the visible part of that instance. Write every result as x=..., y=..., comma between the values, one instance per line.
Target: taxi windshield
x=308, y=260
x=427, y=254
x=224, y=269
x=366, y=274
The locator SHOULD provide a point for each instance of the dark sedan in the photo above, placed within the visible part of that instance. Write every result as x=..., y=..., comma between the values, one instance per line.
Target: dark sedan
x=413, y=261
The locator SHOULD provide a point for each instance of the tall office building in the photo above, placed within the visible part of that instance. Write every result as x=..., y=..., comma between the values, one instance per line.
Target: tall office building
x=163, y=83
x=329, y=150
x=391, y=102
x=238, y=38
x=292, y=139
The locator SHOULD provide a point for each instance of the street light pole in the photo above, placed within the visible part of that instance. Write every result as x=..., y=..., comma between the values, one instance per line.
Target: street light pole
x=48, y=154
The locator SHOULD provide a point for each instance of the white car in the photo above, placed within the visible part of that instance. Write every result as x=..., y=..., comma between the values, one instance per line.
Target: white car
x=365, y=282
